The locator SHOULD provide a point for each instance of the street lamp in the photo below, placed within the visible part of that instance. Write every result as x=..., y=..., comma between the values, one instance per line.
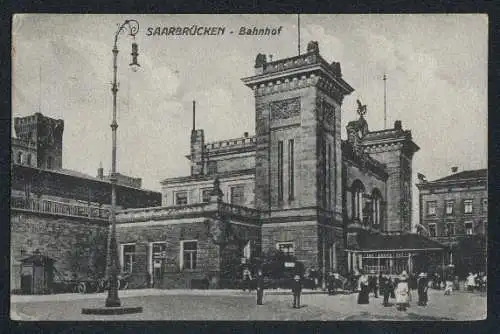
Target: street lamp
x=112, y=300
x=113, y=303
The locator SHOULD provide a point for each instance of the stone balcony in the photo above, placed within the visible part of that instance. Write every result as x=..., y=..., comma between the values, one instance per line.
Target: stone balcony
x=208, y=210
x=46, y=206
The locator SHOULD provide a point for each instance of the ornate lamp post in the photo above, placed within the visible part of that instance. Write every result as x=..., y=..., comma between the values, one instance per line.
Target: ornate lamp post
x=112, y=300
x=113, y=303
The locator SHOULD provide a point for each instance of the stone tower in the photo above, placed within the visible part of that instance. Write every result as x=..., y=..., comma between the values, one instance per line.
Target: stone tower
x=298, y=155
x=46, y=133
x=396, y=149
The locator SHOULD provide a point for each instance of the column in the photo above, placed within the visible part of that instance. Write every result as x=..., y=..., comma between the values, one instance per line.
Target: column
x=360, y=261
x=349, y=268
x=378, y=262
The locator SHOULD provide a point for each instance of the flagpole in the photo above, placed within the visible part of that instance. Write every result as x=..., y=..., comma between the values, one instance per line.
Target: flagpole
x=298, y=30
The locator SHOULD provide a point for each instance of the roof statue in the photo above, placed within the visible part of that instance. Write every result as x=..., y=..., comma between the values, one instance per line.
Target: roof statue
x=336, y=68
x=260, y=60
x=313, y=46
x=361, y=108
x=421, y=177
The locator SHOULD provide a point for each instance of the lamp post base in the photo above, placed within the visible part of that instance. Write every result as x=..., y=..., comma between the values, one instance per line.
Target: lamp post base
x=113, y=302
x=112, y=310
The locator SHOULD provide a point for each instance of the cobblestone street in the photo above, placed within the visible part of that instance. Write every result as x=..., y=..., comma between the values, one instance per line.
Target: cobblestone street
x=238, y=305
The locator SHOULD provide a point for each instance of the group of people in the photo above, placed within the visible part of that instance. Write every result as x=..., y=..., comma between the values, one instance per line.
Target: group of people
x=296, y=289
x=392, y=287
x=476, y=282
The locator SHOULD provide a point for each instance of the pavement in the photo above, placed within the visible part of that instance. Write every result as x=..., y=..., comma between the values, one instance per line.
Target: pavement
x=239, y=305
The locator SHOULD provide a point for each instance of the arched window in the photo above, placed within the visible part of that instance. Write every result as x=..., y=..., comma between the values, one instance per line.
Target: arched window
x=357, y=190
x=19, y=159
x=376, y=207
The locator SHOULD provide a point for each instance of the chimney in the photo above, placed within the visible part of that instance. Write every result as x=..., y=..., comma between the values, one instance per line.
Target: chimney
x=398, y=125
x=100, y=172
x=245, y=134
x=454, y=169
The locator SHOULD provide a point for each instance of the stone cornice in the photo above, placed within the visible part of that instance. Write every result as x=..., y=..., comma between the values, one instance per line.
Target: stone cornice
x=191, y=178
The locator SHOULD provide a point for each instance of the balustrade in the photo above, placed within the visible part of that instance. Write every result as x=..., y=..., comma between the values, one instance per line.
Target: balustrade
x=49, y=206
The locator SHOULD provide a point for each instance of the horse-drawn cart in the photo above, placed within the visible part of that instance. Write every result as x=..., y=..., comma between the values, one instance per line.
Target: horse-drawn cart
x=66, y=282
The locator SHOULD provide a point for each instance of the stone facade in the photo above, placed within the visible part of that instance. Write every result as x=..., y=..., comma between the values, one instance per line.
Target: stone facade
x=42, y=136
x=77, y=244
x=455, y=189
x=64, y=214
x=219, y=234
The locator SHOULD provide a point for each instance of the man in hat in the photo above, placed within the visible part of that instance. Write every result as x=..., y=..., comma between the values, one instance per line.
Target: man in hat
x=386, y=288
x=260, y=287
x=296, y=289
x=422, y=289
x=372, y=283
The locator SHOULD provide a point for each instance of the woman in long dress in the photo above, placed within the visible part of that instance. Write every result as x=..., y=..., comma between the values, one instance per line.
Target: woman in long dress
x=402, y=292
x=363, y=289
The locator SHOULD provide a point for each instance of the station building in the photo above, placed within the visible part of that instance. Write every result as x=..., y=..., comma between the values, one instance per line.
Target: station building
x=454, y=212
x=57, y=213
x=295, y=186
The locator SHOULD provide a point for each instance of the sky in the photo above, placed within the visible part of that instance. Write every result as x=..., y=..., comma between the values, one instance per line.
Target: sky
x=436, y=67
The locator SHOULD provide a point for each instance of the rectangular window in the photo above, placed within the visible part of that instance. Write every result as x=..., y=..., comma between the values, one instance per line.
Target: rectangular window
x=432, y=230
x=449, y=206
x=485, y=205
x=238, y=194
x=450, y=229
x=468, y=228
x=181, y=198
x=128, y=254
x=205, y=195
x=468, y=206
x=291, y=181
x=286, y=247
x=431, y=208
x=189, y=250
x=280, y=171
x=212, y=167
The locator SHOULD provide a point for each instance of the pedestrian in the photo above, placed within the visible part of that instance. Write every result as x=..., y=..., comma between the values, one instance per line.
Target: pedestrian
x=422, y=289
x=330, y=280
x=402, y=292
x=448, y=288
x=469, y=282
x=296, y=290
x=372, y=284
x=386, y=288
x=247, y=279
x=260, y=287
x=363, y=297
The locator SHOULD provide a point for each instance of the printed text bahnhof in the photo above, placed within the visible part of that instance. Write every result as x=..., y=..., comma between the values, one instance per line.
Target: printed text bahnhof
x=196, y=30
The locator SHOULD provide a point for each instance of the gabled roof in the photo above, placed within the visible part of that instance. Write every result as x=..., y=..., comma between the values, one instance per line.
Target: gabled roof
x=465, y=175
